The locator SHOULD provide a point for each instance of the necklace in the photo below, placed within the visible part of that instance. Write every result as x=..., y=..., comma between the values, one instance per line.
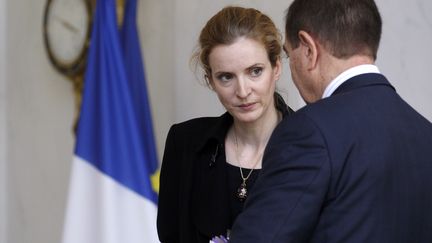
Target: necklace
x=242, y=191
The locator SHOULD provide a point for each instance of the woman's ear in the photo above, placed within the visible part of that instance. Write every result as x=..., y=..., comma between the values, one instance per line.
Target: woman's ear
x=309, y=49
x=209, y=81
x=277, y=69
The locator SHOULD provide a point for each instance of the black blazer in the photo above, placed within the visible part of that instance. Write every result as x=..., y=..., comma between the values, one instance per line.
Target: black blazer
x=184, y=142
x=352, y=168
x=194, y=170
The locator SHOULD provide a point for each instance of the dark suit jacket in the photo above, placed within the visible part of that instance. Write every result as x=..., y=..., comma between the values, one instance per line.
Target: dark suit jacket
x=352, y=168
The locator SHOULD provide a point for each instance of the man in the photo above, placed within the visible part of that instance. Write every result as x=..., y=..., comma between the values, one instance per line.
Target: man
x=355, y=164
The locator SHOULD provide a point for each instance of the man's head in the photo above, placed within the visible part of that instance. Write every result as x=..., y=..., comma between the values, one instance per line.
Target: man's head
x=344, y=27
x=325, y=37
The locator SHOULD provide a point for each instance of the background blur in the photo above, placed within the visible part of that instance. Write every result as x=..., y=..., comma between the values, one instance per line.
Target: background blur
x=37, y=103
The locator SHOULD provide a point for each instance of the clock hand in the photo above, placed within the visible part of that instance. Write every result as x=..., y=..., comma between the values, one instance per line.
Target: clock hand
x=67, y=25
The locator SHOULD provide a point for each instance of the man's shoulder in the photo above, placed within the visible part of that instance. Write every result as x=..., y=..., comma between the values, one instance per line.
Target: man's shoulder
x=325, y=108
x=324, y=116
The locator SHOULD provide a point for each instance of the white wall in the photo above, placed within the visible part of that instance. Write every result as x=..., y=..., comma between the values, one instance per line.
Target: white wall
x=155, y=23
x=405, y=52
x=3, y=145
x=39, y=117
x=37, y=105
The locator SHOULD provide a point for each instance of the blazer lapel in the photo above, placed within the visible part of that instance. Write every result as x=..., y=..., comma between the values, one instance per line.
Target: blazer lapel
x=210, y=199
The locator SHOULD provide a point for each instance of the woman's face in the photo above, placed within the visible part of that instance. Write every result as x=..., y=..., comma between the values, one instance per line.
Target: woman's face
x=243, y=79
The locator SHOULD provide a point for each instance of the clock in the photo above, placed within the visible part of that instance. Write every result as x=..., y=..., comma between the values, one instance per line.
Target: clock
x=66, y=27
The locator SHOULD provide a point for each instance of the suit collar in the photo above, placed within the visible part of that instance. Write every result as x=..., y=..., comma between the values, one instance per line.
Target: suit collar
x=361, y=81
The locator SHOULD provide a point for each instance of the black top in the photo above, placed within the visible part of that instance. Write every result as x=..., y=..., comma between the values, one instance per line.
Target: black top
x=196, y=199
x=234, y=182
x=218, y=201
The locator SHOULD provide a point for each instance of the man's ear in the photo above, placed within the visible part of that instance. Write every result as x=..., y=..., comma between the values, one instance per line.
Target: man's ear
x=309, y=49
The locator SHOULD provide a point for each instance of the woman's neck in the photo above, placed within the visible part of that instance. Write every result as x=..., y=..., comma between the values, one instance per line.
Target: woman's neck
x=245, y=142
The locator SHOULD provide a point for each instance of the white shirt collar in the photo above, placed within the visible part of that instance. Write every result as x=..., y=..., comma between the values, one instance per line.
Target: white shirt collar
x=341, y=78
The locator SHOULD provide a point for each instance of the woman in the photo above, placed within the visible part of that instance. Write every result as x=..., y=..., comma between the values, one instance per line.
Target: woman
x=210, y=164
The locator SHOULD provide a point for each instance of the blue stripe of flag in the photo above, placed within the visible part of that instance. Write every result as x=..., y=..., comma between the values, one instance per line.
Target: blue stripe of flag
x=109, y=134
x=136, y=76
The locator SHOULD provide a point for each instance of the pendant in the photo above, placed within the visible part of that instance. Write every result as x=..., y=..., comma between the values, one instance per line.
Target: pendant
x=242, y=192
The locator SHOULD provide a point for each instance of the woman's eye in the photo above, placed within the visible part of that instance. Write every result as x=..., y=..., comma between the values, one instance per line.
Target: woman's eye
x=225, y=77
x=256, y=71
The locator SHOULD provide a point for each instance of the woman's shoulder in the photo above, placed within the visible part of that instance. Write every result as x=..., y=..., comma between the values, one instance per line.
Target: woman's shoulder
x=196, y=123
x=201, y=125
x=198, y=132
x=282, y=106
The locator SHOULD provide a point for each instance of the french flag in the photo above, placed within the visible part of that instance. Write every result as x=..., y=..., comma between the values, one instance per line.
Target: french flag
x=111, y=196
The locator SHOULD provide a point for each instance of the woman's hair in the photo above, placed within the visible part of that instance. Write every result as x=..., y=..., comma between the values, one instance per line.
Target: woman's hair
x=232, y=23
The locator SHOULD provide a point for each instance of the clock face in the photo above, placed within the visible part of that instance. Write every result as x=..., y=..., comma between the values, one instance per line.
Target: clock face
x=67, y=24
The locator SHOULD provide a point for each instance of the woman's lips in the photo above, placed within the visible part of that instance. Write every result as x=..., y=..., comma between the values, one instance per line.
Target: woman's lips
x=247, y=107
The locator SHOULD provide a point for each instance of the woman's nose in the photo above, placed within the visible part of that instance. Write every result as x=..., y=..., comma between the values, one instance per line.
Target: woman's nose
x=243, y=88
